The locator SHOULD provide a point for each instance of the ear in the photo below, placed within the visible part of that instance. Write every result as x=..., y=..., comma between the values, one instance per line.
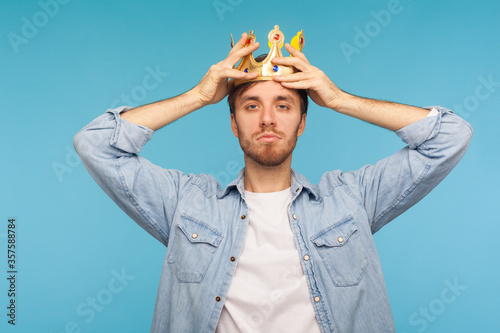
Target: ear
x=302, y=125
x=234, y=125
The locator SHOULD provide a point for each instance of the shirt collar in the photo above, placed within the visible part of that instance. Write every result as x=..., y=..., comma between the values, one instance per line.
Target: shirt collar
x=299, y=182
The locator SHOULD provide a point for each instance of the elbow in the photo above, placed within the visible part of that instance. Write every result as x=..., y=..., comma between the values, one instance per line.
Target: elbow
x=78, y=143
x=464, y=134
x=457, y=131
x=461, y=137
x=82, y=144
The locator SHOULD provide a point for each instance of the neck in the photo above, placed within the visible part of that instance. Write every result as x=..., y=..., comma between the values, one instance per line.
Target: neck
x=263, y=179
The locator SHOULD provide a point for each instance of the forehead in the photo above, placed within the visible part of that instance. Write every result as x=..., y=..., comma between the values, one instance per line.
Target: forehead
x=268, y=90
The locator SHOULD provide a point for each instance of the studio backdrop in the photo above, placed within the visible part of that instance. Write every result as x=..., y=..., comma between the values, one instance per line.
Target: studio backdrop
x=79, y=264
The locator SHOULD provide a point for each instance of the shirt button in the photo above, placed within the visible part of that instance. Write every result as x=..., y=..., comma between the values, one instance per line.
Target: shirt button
x=243, y=217
x=217, y=299
x=232, y=259
x=306, y=257
x=294, y=216
x=297, y=189
x=195, y=235
x=316, y=299
x=340, y=239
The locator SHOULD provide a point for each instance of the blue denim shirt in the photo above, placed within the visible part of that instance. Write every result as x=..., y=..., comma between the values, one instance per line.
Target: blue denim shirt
x=203, y=225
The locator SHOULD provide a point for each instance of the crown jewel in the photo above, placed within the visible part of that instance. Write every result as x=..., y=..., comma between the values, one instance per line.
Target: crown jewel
x=265, y=69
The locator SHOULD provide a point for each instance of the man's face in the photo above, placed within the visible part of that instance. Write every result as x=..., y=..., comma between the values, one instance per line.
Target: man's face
x=267, y=122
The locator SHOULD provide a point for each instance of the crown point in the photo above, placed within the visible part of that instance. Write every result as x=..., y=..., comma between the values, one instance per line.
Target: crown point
x=265, y=69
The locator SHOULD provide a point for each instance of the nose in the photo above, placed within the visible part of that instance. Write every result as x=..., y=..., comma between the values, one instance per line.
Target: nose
x=267, y=117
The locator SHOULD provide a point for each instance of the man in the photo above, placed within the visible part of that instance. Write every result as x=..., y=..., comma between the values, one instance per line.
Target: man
x=270, y=252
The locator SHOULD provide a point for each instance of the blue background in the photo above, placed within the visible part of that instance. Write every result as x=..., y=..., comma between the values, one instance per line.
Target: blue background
x=82, y=57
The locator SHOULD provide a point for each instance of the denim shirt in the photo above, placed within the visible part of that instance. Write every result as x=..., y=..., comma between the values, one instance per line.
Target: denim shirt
x=203, y=226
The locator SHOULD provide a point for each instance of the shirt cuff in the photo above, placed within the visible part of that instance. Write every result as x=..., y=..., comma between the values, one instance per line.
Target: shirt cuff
x=433, y=112
x=420, y=131
x=128, y=136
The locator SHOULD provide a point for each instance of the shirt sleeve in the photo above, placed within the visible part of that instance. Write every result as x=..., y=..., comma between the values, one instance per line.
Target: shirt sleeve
x=387, y=189
x=109, y=148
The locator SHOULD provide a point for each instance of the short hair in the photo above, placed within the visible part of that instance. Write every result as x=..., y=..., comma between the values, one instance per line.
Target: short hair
x=240, y=89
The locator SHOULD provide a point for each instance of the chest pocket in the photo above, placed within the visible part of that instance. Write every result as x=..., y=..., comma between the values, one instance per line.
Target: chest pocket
x=193, y=249
x=343, y=254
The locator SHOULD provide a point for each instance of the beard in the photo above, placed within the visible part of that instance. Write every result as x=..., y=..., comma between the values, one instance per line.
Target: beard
x=269, y=154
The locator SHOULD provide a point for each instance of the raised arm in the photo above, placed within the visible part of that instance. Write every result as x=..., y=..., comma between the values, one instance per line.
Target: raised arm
x=110, y=144
x=436, y=143
x=325, y=93
x=212, y=89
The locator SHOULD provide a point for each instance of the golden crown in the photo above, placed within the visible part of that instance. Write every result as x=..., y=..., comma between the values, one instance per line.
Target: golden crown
x=265, y=68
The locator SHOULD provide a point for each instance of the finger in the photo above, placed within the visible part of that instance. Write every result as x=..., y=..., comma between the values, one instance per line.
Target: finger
x=234, y=57
x=241, y=41
x=248, y=76
x=236, y=74
x=298, y=63
x=297, y=84
x=296, y=53
x=300, y=76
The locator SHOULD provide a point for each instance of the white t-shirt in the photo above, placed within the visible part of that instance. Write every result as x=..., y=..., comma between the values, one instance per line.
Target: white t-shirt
x=268, y=292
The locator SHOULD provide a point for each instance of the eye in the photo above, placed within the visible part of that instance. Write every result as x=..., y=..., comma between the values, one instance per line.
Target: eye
x=251, y=107
x=283, y=107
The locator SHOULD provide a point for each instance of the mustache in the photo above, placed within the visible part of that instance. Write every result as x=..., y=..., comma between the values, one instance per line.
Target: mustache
x=266, y=132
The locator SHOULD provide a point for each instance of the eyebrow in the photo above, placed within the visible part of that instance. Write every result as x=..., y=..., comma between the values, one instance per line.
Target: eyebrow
x=285, y=97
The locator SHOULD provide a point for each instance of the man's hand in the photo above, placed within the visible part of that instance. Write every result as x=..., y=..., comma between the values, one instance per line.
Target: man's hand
x=215, y=85
x=325, y=93
x=318, y=86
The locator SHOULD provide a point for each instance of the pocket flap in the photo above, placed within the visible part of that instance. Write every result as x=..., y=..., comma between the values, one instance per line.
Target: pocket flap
x=336, y=234
x=197, y=231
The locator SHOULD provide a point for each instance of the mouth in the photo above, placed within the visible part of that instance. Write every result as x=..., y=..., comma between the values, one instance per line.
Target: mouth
x=268, y=137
